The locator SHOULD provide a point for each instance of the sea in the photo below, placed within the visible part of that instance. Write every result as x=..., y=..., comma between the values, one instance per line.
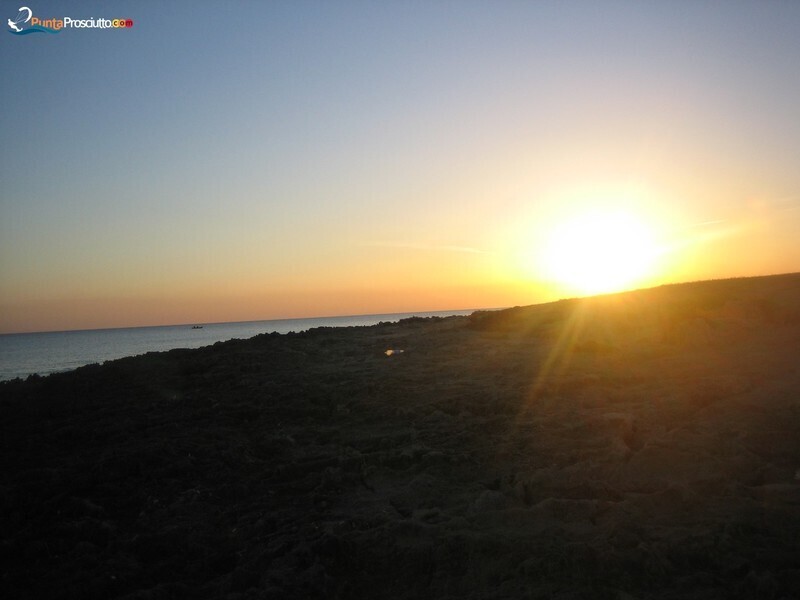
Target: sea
x=24, y=354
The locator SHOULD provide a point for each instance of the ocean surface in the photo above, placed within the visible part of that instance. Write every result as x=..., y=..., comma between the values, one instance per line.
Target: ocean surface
x=22, y=354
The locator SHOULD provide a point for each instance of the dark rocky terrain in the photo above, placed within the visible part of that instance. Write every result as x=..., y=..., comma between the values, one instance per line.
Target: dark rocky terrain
x=639, y=445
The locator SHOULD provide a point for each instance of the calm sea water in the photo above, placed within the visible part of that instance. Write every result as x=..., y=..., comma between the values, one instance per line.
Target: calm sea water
x=22, y=354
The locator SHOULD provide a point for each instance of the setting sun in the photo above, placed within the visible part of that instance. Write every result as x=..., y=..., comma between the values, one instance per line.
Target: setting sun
x=599, y=252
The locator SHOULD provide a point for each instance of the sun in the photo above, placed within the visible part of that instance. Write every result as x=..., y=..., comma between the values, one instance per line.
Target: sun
x=599, y=252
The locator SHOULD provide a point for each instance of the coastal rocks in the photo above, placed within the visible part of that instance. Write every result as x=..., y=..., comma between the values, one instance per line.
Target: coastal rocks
x=625, y=427
x=491, y=500
x=312, y=465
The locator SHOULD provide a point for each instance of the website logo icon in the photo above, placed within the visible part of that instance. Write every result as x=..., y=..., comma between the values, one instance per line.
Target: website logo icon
x=26, y=23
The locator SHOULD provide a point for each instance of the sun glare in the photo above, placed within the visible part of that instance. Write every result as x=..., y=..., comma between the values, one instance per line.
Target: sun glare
x=599, y=252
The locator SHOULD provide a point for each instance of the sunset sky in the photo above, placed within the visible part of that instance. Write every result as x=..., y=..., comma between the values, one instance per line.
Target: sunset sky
x=259, y=160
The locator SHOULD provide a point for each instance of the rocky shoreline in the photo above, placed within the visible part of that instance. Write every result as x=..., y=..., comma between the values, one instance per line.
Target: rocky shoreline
x=639, y=445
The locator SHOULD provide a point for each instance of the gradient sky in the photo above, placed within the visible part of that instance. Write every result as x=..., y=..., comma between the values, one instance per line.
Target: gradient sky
x=256, y=160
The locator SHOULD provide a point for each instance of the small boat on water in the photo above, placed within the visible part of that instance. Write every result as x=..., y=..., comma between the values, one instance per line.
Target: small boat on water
x=197, y=326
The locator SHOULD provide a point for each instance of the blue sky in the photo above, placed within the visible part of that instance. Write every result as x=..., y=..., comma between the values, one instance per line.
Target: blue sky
x=279, y=159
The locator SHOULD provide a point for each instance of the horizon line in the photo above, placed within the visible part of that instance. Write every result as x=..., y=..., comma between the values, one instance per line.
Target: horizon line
x=204, y=323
